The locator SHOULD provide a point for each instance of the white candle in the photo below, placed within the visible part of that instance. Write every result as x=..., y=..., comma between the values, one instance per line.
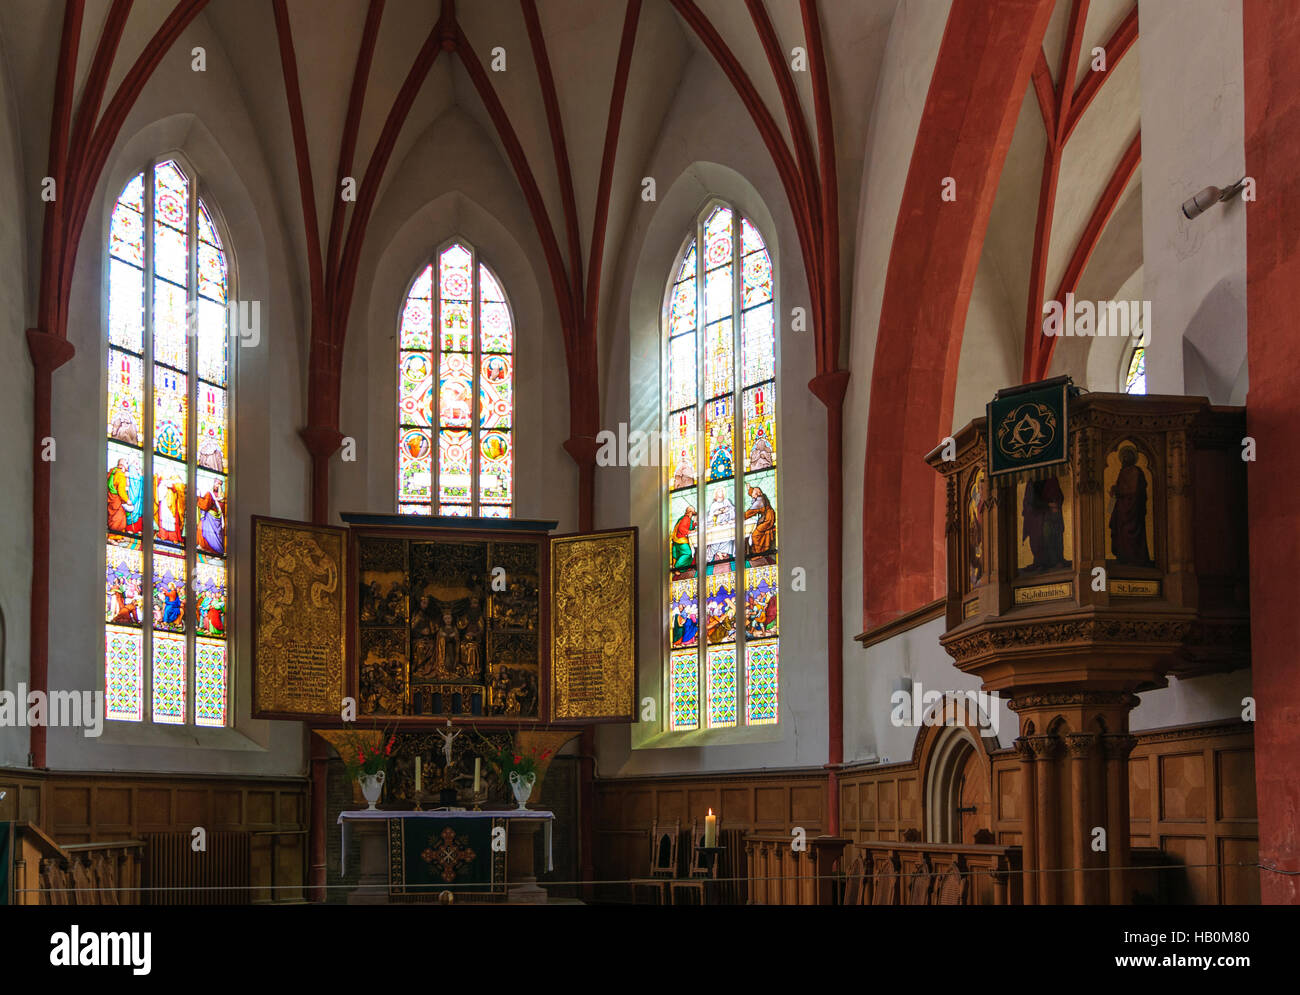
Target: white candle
x=417, y=773
x=710, y=829
x=477, y=761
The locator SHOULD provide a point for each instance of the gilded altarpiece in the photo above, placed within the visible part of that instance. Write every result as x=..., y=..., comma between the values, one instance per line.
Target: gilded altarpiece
x=433, y=620
x=299, y=617
x=594, y=578
x=449, y=626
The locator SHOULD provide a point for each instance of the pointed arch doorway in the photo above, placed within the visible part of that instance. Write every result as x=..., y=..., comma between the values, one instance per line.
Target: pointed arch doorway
x=958, y=785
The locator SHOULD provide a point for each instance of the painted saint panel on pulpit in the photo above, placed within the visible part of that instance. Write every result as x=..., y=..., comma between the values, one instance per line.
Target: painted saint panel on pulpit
x=973, y=512
x=1045, y=523
x=1130, y=505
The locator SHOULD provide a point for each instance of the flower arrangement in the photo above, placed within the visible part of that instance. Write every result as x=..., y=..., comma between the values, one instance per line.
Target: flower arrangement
x=364, y=753
x=516, y=759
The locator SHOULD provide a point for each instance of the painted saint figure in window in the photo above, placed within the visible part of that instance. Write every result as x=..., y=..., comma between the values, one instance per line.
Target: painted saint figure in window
x=165, y=638
x=455, y=391
x=720, y=419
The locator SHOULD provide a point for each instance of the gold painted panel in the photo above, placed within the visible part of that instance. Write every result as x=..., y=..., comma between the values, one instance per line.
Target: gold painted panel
x=593, y=626
x=299, y=619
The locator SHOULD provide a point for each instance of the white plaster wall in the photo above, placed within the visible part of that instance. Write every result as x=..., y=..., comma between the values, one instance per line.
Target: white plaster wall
x=992, y=344
x=431, y=198
x=203, y=117
x=1199, y=699
x=869, y=731
x=16, y=312
x=904, y=81
x=1193, y=126
x=708, y=148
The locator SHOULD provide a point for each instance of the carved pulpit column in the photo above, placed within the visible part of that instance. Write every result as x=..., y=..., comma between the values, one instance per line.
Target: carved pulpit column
x=1117, y=749
x=1029, y=850
x=1074, y=585
x=1047, y=751
x=1083, y=749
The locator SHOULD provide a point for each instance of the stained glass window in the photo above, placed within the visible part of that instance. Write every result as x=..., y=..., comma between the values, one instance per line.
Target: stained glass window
x=168, y=456
x=721, y=488
x=456, y=391
x=1135, y=377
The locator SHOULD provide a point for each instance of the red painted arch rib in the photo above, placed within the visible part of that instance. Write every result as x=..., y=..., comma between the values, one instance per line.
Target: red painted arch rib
x=1044, y=346
x=985, y=59
x=348, y=143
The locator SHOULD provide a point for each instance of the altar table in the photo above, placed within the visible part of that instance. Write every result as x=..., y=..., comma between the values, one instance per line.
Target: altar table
x=375, y=865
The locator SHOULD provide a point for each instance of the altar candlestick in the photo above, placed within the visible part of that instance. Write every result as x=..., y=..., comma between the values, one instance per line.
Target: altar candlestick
x=417, y=773
x=477, y=762
x=710, y=829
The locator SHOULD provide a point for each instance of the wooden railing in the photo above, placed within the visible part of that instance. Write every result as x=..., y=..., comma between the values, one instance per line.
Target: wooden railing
x=780, y=873
x=888, y=873
x=47, y=873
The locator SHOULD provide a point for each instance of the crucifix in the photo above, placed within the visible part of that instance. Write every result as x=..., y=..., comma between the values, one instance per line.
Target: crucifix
x=448, y=736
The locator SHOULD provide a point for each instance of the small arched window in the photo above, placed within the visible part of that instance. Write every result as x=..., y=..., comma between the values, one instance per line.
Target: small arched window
x=455, y=391
x=720, y=495
x=166, y=646
x=1135, y=374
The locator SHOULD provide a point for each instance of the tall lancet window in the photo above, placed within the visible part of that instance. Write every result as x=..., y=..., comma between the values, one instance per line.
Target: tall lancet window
x=166, y=645
x=720, y=405
x=455, y=391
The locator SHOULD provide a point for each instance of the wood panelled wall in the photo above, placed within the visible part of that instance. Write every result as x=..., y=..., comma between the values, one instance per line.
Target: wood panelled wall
x=1192, y=794
x=86, y=808
x=766, y=800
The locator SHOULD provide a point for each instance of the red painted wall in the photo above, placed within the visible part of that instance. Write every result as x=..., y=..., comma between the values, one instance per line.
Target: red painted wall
x=1272, y=94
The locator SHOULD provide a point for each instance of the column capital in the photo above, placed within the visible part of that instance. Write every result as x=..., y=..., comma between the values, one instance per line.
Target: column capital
x=1081, y=744
x=582, y=448
x=1046, y=747
x=48, y=351
x=1117, y=746
x=321, y=441
x=829, y=387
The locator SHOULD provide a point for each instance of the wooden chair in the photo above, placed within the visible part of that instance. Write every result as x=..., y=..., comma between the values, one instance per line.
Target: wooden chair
x=663, y=861
x=951, y=889
x=855, y=890
x=884, y=880
x=918, y=889
x=697, y=871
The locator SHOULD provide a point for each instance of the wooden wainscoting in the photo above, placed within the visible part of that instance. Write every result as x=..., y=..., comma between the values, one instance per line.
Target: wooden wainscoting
x=74, y=808
x=881, y=802
x=1192, y=795
x=775, y=801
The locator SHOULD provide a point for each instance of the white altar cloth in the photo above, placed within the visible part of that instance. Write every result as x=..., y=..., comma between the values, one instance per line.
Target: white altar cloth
x=366, y=815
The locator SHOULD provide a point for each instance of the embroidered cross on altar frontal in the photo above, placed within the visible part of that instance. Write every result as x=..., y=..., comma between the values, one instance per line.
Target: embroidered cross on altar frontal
x=427, y=856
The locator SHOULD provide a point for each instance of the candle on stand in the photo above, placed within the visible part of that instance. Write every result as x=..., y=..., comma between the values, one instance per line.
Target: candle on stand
x=417, y=773
x=710, y=829
x=477, y=762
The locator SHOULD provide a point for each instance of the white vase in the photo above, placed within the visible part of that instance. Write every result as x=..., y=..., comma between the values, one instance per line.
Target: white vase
x=522, y=787
x=372, y=786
